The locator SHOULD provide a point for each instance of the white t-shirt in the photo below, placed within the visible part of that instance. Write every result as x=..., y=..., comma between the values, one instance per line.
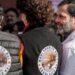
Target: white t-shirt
x=68, y=60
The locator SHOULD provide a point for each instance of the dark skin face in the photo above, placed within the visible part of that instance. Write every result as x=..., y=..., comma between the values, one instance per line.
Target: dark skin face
x=11, y=17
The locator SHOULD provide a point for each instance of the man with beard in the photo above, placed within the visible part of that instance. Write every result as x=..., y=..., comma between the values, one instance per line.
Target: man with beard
x=12, y=16
x=10, y=46
x=60, y=30
x=66, y=19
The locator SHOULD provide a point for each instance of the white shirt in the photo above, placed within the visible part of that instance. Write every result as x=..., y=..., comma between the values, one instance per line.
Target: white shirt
x=68, y=60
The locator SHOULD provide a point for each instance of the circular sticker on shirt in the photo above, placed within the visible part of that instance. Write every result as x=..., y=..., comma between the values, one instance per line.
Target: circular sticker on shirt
x=48, y=61
x=5, y=61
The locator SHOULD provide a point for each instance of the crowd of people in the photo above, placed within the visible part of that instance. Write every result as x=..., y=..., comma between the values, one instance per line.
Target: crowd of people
x=10, y=21
x=38, y=40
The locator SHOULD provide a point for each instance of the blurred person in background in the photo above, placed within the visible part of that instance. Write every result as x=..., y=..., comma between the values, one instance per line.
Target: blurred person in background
x=10, y=46
x=18, y=28
x=12, y=16
x=1, y=17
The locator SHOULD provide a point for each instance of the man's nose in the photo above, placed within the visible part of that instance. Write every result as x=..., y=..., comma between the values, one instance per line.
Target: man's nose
x=57, y=21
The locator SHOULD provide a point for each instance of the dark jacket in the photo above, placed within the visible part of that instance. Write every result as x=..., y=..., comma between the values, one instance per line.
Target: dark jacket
x=38, y=43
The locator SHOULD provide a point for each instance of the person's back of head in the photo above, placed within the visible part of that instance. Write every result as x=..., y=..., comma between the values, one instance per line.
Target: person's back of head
x=37, y=11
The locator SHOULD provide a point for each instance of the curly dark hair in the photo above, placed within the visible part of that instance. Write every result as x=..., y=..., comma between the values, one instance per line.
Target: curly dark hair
x=71, y=10
x=37, y=11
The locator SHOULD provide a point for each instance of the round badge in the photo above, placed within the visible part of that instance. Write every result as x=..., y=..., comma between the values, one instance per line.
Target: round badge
x=5, y=61
x=48, y=61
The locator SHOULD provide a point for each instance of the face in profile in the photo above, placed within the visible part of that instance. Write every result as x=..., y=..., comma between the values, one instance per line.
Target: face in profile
x=64, y=20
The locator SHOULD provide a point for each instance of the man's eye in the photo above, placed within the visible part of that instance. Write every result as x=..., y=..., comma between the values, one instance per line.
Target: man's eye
x=62, y=17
